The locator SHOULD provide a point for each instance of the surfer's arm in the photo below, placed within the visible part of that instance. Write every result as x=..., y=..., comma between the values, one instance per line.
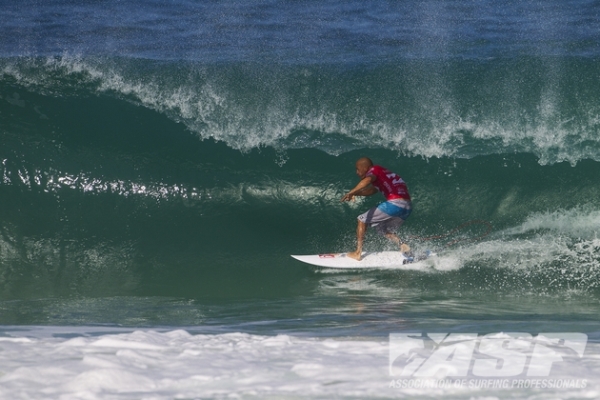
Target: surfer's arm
x=364, y=188
x=366, y=191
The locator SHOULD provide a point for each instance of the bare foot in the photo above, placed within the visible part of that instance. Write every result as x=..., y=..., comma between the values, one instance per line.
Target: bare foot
x=404, y=248
x=355, y=255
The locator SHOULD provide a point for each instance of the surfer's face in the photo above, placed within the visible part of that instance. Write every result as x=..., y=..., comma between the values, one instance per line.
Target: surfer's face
x=361, y=170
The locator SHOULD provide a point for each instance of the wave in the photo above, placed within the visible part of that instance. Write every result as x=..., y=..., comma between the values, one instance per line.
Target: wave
x=460, y=108
x=131, y=177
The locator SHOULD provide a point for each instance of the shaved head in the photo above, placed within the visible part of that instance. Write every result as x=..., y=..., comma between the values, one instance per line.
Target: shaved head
x=362, y=166
x=364, y=162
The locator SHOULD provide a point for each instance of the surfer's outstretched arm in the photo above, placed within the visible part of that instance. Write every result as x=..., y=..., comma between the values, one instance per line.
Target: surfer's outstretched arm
x=364, y=188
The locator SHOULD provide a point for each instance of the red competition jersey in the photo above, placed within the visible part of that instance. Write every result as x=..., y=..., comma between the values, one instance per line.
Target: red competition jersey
x=388, y=183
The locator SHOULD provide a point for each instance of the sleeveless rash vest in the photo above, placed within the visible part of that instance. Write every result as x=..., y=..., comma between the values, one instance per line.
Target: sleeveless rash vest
x=388, y=183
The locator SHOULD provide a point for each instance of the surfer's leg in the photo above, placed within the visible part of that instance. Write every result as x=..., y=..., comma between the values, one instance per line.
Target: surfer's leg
x=360, y=237
x=394, y=212
x=364, y=220
x=404, y=248
x=387, y=228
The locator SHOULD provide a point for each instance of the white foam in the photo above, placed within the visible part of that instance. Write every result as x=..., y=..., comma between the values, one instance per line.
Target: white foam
x=152, y=364
x=582, y=222
x=212, y=109
x=55, y=181
x=570, y=236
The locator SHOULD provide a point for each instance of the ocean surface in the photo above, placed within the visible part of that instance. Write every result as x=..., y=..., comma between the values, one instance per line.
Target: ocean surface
x=160, y=162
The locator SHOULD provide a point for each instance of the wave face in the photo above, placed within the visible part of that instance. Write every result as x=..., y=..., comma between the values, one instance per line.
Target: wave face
x=125, y=176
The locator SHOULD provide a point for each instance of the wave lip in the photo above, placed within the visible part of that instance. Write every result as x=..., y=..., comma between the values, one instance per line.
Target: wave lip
x=464, y=109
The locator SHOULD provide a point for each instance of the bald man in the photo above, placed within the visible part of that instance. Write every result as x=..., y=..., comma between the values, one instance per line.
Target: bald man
x=387, y=216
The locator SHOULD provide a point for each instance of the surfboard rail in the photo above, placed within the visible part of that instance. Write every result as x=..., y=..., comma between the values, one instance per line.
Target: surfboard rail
x=381, y=259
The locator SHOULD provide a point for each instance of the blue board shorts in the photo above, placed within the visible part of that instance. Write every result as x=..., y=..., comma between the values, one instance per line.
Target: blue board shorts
x=387, y=216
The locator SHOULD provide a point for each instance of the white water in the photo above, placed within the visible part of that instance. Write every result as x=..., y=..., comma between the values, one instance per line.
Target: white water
x=113, y=363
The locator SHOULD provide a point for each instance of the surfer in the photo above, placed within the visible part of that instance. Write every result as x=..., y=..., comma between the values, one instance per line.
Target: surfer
x=387, y=216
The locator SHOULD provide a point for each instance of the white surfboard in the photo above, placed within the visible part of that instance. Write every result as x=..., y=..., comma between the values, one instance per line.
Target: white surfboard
x=382, y=259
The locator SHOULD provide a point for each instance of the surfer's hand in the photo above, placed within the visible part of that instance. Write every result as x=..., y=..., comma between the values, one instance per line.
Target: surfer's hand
x=347, y=197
